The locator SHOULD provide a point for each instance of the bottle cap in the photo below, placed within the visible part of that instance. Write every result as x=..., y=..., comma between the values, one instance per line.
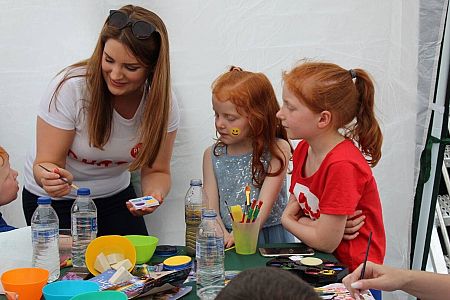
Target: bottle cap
x=209, y=213
x=44, y=200
x=196, y=182
x=178, y=262
x=83, y=192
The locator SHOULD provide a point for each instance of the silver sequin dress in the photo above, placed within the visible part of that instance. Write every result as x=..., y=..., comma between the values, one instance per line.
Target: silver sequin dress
x=232, y=174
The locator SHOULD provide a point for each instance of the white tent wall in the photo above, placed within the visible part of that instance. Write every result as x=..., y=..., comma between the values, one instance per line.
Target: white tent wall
x=41, y=37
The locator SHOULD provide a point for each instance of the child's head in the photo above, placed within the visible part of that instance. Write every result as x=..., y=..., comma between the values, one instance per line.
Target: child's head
x=245, y=107
x=267, y=283
x=346, y=95
x=8, y=183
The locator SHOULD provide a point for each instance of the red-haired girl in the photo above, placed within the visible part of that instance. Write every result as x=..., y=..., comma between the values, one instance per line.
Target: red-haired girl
x=252, y=149
x=332, y=110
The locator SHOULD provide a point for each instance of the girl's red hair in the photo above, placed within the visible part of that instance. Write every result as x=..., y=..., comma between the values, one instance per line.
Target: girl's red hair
x=326, y=86
x=254, y=97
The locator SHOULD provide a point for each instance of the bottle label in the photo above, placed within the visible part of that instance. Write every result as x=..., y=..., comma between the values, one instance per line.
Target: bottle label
x=44, y=235
x=94, y=224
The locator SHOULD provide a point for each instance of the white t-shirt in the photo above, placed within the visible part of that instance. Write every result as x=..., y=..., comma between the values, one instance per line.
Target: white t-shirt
x=105, y=171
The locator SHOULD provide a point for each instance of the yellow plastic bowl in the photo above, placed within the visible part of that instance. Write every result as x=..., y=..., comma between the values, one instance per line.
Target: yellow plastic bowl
x=109, y=244
x=144, y=245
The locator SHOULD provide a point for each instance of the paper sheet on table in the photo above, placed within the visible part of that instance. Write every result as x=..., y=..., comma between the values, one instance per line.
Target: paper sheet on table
x=337, y=291
x=16, y=250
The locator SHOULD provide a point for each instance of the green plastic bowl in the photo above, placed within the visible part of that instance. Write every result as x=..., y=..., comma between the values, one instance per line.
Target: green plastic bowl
x=145, y=247
x=104, y=295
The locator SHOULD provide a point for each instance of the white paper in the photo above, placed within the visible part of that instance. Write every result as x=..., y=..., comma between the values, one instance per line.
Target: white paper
x=16, y=250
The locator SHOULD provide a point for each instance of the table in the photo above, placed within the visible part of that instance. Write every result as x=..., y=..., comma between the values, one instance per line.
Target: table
x=233, y=261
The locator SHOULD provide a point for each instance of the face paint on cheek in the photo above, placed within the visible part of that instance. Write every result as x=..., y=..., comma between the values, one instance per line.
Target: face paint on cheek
x=235, y=131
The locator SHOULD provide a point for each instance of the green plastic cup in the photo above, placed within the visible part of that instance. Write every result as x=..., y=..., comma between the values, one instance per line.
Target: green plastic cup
x=144, y=245
x=246, y=237
x=104, y=295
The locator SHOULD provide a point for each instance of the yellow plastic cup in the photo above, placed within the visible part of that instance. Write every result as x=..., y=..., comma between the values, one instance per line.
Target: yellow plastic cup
x=27, y=283
x=246, y=237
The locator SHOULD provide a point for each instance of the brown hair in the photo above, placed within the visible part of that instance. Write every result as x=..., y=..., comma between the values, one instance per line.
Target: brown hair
x=153, y=53
x=254, y=97
x=267, y=283
x=326, y=86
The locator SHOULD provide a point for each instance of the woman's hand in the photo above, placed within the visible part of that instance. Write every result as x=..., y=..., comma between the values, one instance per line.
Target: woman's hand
x=379, y=277
x=146, y=210
x=353, y=224
x=52, y=183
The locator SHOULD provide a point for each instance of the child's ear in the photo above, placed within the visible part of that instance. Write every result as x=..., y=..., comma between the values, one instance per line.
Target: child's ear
x=325, y=119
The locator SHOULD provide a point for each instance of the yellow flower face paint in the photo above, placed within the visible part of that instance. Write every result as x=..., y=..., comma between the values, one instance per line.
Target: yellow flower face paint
x=235, y=131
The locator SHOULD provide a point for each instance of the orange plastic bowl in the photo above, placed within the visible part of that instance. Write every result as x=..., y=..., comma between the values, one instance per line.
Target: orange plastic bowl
x=26, y=282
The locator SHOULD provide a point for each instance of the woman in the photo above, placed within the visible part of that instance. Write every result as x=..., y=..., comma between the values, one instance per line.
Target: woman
x=103, y=117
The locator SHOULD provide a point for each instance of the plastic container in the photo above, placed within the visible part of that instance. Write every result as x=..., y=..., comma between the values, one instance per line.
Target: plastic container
x=83, y=225
x=194, y=202
x=210, y=252
x=45, y=236
x=176, y=263
x=109, y=244
x=66, y=289
x=103, y=295
x=26, y=282
x=246, y=237
x=144, y=245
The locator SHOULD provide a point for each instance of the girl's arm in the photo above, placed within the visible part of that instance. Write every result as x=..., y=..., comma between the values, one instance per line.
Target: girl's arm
x=212, y=194
x=156, y=181
x=52, y=146
x=324, y=234
x=272, y=185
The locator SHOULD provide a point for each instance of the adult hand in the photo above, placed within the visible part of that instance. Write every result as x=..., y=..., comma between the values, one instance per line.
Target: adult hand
x=376, y=276
x=52, y=183
x=353, y=224
x=146, y=210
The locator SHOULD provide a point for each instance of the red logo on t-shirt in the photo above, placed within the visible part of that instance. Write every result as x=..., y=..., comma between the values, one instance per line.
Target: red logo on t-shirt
x=135, y=150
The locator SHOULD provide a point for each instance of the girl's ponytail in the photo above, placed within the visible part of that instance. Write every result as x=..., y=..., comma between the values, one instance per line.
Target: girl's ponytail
x=366, y=131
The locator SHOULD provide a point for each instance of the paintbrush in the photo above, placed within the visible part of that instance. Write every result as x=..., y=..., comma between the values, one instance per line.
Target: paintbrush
x=74, y=186
x=247, y=203
x=229, y=211
x=247, y=194
x=363, y=270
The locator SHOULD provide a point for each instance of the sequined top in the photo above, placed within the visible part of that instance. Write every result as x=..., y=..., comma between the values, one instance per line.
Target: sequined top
x=232, y=174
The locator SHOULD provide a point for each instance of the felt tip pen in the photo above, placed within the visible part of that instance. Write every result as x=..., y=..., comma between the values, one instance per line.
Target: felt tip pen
x=257, y=209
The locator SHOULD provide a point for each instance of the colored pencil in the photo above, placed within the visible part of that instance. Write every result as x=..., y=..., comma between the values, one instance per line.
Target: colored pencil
x=74, y=186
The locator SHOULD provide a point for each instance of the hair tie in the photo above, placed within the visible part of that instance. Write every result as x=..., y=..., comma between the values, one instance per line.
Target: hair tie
x=234, y=68
x=352, y=73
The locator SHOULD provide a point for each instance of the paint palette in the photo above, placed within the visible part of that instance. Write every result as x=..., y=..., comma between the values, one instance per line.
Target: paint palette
x=146, y=201
x=316, y=274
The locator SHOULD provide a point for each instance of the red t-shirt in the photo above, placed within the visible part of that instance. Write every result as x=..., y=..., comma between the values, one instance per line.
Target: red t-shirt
x=342, y=184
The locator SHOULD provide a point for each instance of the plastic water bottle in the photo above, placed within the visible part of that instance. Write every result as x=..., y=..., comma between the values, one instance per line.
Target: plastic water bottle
x=194, y=202
x=45, y=234
x=83, y=226
x=210, y=255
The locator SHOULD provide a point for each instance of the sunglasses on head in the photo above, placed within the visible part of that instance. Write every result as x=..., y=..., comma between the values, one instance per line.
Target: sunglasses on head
x=141, y=29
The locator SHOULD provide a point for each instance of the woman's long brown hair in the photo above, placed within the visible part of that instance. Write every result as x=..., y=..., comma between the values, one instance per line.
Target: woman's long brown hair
x=153, y=53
